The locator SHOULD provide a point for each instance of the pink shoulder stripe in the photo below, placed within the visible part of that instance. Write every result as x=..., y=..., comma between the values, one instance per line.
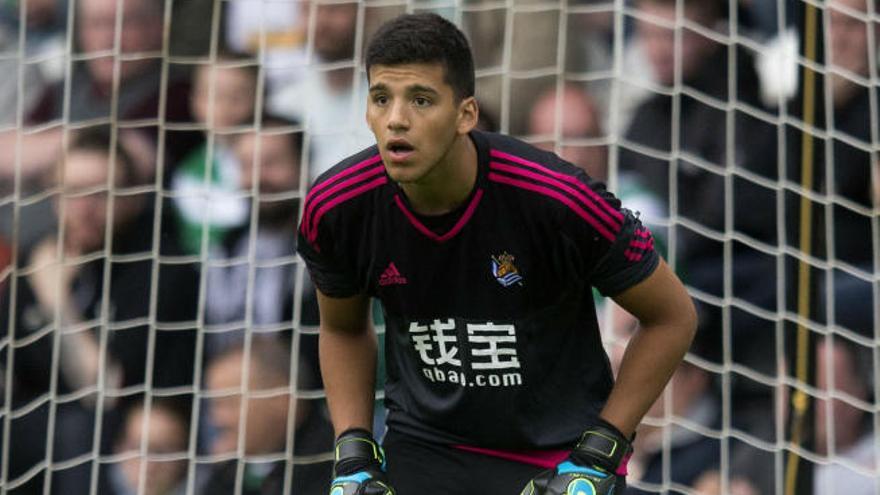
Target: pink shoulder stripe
x=546, y=191
x=580, y=185
x=615, y=225
x=377, y=182
x=344, y=173
x=312, y=200
x=465, y=218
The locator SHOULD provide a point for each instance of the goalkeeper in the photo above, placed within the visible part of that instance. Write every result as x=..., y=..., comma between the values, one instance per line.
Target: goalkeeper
x=483, y=251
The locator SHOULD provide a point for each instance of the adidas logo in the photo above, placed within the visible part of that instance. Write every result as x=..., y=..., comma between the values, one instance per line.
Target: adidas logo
x=391, y=276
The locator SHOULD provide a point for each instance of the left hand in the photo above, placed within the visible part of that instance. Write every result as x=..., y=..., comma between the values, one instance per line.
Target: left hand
x=591, y=469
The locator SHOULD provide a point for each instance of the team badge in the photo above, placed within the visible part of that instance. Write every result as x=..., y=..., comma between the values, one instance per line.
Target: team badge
x=505, y=271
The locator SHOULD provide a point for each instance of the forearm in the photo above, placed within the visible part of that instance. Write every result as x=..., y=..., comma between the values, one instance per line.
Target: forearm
x=348, y=368
x=651, y=357
x=38, y=152
x=79, y=358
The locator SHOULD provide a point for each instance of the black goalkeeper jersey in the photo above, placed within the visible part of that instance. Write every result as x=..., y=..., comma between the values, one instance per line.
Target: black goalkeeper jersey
x=491, y=332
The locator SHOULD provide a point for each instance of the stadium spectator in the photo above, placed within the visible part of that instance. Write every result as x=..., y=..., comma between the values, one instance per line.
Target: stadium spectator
x=206, y=195
x=83, y=307
x=690, y=177
x=275, y=32
x=265, y=434
x=853, y=157
x=161, y=430
x=330, y=98
x=270, y=174
x=92, y=93
x=580, y=120
x=534, y=40
x=844, y=431
x=699, y=156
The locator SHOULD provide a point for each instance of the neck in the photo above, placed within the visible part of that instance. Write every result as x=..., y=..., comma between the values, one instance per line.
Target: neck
x=449, y=184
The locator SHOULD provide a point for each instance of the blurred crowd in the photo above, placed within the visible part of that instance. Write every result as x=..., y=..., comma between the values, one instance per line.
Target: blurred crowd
x=162, y=331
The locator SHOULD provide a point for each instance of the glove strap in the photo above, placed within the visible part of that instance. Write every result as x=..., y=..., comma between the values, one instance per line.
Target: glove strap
x=603, y=444
x=356, y=450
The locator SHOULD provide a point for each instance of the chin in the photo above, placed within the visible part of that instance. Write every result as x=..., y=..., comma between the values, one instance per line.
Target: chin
x=405, y=178
x=404, y=173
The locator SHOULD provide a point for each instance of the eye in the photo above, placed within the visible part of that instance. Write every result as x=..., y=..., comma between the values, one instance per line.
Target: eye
x=380, y=99
x=421, y=101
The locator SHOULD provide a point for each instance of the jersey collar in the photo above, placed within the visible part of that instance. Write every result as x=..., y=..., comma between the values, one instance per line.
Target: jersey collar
x=453, y=222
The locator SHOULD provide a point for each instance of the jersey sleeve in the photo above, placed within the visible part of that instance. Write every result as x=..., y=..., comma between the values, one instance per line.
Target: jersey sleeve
x=630, y=259
x=616, y=249
x=330, y=274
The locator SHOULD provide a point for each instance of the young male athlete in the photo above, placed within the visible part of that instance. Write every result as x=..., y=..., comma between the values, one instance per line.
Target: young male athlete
x=483, y=251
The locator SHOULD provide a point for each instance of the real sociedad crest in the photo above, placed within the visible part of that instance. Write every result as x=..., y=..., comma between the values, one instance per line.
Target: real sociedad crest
x=505, y=271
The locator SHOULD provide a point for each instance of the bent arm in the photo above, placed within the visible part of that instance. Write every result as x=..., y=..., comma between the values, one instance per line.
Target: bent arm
x=38, y=152
x=347, y=348
x=667, y=323
x=80, y=351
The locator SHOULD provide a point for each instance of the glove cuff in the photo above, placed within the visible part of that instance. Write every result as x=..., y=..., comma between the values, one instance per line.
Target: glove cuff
x=355, y=450
x=603, y=445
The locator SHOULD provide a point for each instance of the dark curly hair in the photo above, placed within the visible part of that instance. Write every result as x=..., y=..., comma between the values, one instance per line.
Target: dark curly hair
x=425, y=38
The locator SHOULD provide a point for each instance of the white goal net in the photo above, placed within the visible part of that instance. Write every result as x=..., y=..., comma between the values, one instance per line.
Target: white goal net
x=159, y=332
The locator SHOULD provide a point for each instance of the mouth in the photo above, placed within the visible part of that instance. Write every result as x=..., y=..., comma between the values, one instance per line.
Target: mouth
x=399, y=150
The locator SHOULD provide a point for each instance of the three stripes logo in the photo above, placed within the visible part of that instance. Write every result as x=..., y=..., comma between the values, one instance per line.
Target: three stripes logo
x=391, y=276
x=641, y=243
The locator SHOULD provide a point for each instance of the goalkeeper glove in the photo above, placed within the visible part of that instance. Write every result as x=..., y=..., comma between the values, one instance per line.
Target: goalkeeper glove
x=591, y=468
x=359, y=467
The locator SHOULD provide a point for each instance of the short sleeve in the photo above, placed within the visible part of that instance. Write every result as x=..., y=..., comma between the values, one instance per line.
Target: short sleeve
x=328, y=272
x=630, y=259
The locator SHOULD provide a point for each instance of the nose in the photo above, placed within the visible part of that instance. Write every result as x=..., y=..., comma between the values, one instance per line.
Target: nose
x=398, y=118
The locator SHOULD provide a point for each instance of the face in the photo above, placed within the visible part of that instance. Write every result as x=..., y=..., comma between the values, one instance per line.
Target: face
x=658, y=43
x=579, y=120
x=276, y=169
x=266, y=425
x=233, y=100
x=335, y=28
x=96, y=32
x=167, y=436
x=849, y=36
x=85, y=201
x=846, y=419
x=416, y=119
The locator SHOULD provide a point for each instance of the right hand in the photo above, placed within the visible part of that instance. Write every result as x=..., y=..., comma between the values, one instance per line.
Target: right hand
x=359, y=467
x=591, y=468
x=52, y=280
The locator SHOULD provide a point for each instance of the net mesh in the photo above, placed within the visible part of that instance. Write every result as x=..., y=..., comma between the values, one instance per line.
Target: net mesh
x=159, y=331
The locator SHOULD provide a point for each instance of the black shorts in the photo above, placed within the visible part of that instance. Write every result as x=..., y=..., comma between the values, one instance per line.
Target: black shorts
x=417, y=467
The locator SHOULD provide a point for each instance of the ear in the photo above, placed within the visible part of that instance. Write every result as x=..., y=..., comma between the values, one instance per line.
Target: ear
x=468, y=115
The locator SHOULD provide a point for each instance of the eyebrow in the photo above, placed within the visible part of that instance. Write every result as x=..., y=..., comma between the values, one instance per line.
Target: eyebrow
x=416, y=88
